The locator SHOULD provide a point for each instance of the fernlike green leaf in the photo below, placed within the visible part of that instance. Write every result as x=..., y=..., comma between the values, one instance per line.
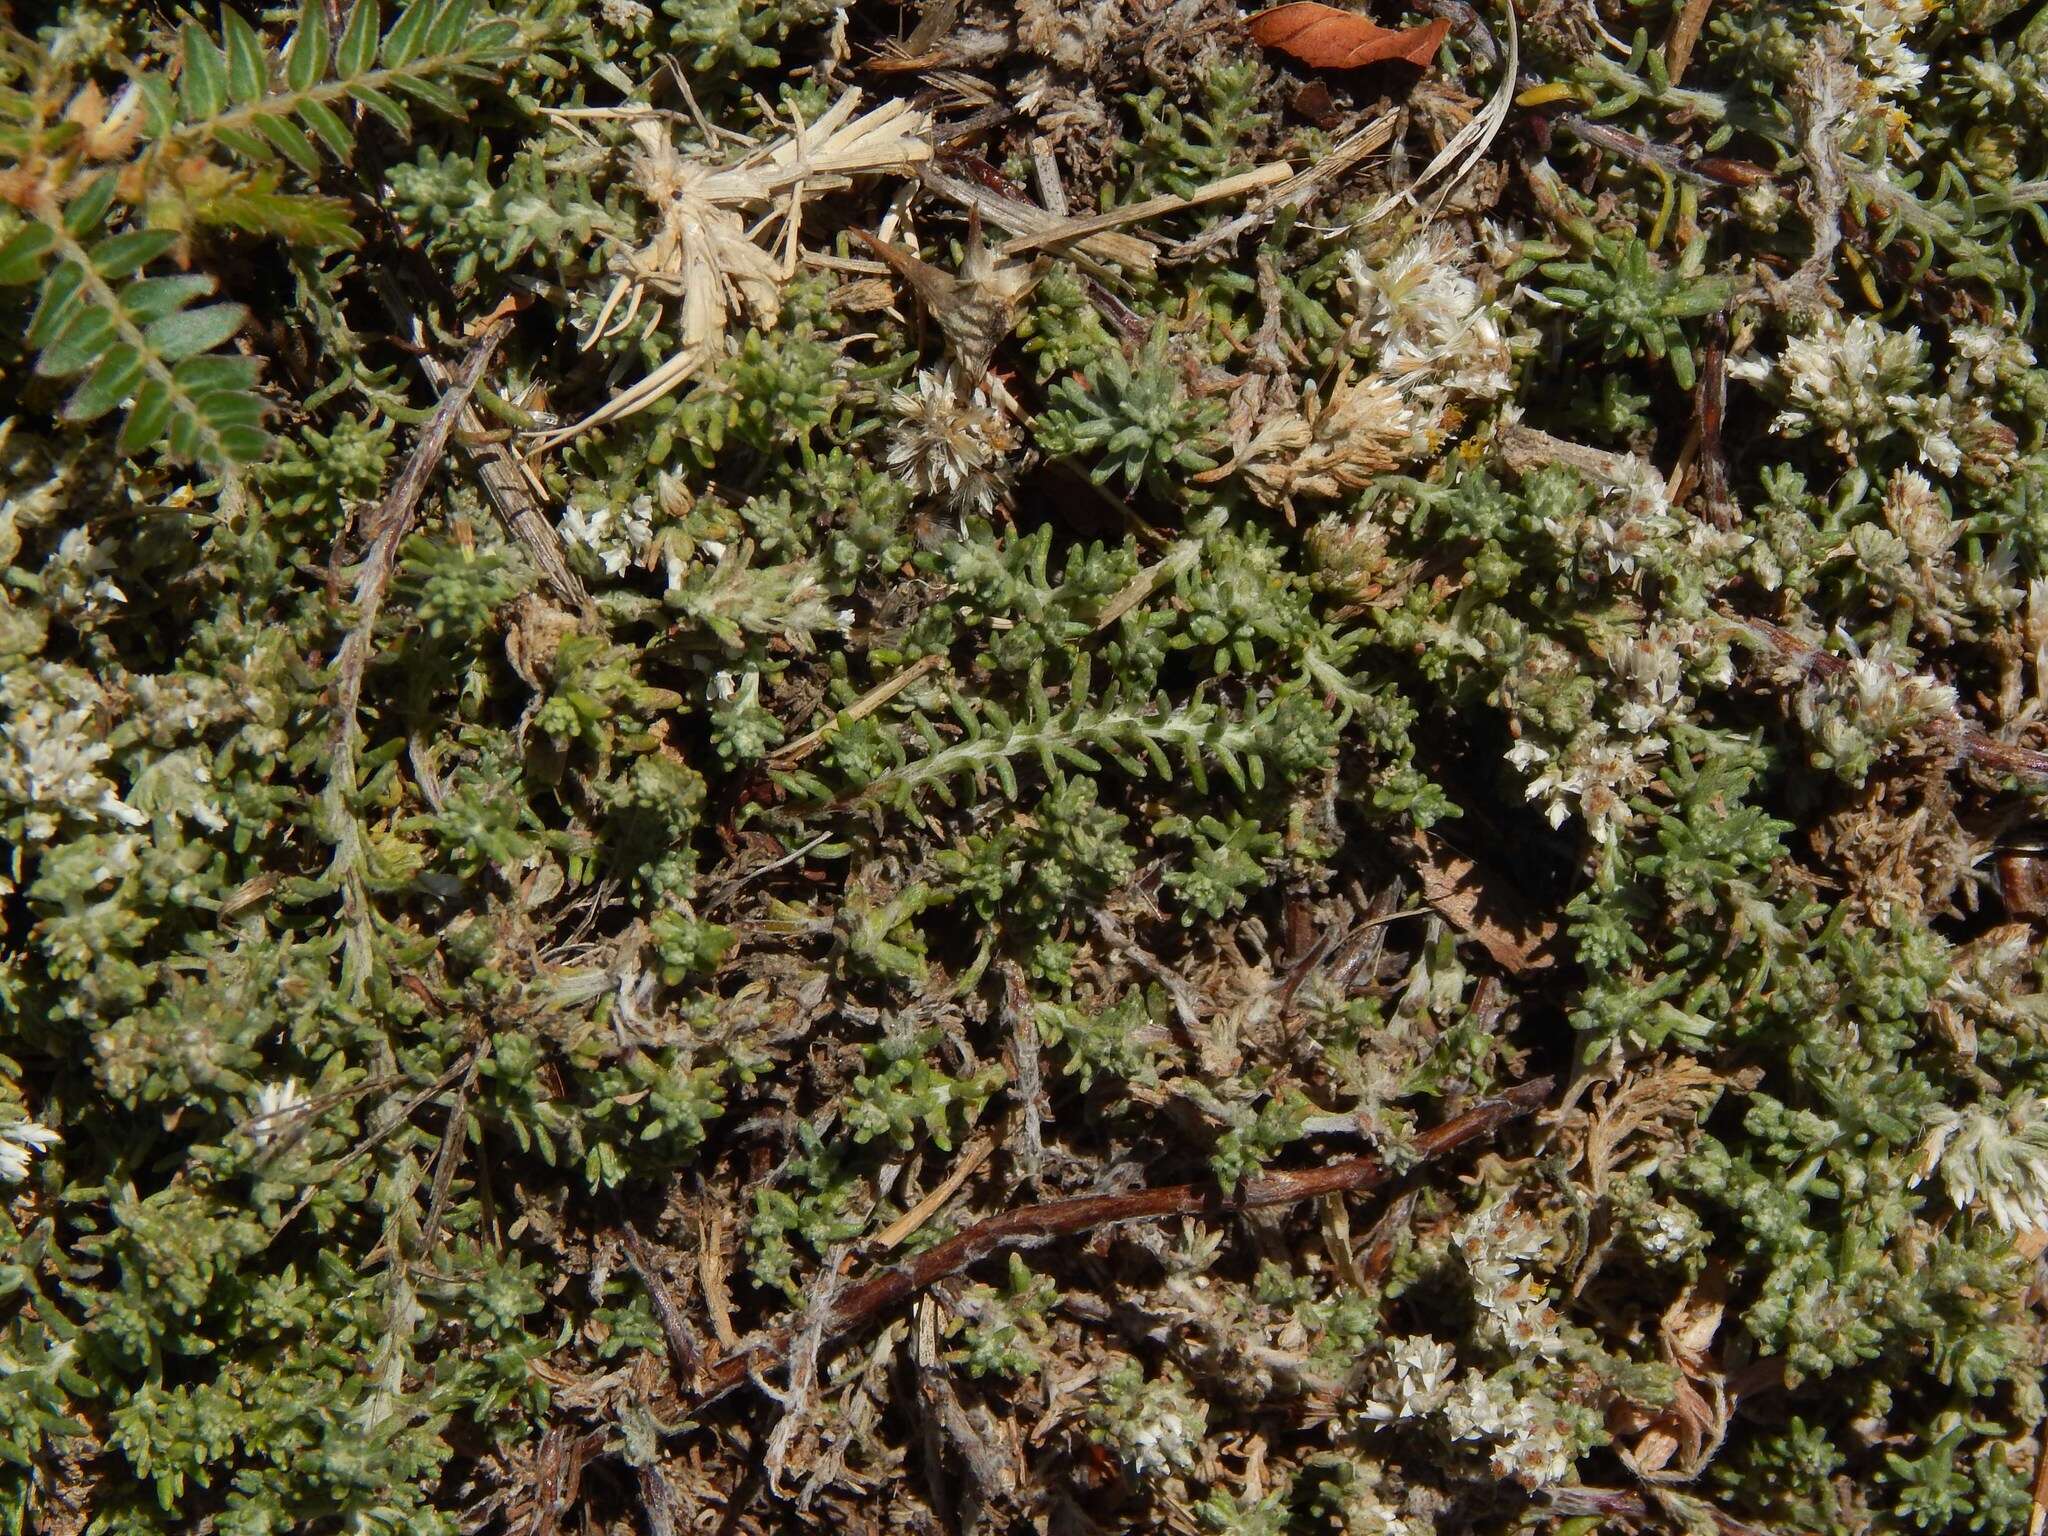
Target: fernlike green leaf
x=299, y=218
x=331, y=131
x=191, y=331
x=305, y=60
x=204, y=83
x=147, y=417
x=432, y=92
x=79, y=345
x=60, y=301
x=248, y=69
x=383, y=106
x=451, y=25
x=118, y=255
x=87, y=210
x=250, y=146
x=358, y=50
x=21, y=258
x=154, y=297
x=403, y=42
x=206, y=375
x=113, y=381
x=290, y=143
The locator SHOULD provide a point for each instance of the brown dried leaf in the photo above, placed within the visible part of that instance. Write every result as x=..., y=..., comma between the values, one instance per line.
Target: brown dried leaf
x=1481, y=909
x=1323, y=37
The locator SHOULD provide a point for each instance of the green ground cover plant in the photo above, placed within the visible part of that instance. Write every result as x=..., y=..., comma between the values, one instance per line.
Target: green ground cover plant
x=771, y=765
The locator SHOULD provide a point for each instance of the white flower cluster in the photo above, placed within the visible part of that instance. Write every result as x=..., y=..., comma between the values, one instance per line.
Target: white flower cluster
x=1857, y=380
x=50, y=756
x=1889, y=64
x=616, y=538
x=1162, y=1432
x=277, y=1106
x=1649, y=669
x=1854, y=379
x=77, y=582
x=1665, y=1231
x=1530, y=1435
x=1417, y=1379
x=1500, y=1247
x=1593, y=773
x=20, y=1141
x=1855, y=715
x=1994, y=1158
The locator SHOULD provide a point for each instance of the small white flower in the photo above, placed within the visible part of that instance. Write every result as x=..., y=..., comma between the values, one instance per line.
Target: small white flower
x=1419, y=1374
x=19, y=1143
x=277, y=1104
x=616, y=538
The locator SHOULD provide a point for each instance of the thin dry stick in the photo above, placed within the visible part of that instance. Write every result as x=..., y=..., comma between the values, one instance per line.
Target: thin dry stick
x=1294, y=191
x=394, y=521
x=515, y=491
x=1151, y=208
x=1022, y=218
x=859, y=709
x=388, y=529
x=1032, y=1224
x=1685, y=32
x=450, y=1152
x=1470, y=144
x=684, y=1358
x=978, y=1152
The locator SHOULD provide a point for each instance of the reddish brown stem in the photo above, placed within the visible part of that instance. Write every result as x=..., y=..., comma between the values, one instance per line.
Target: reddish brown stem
x=1065, y=1218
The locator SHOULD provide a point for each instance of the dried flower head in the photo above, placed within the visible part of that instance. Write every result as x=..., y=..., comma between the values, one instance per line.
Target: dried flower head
x=951, y=443
x=1332, y=447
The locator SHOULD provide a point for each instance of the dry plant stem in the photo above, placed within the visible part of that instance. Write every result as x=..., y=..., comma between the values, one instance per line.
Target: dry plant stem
x=1710, y=409
x=684, y=1358
x=512, y=487
x=450, y=1151
x=1022, y=218
x=387, y=530
x=1295, y=190
x=859, y=709
x=1151, y=208
x=1032, y=1224
x=392, y=523
x=1642, y=151
x=1684, y=34
x=1619, y=1504
x=1469, y=146
x=976, y=1153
